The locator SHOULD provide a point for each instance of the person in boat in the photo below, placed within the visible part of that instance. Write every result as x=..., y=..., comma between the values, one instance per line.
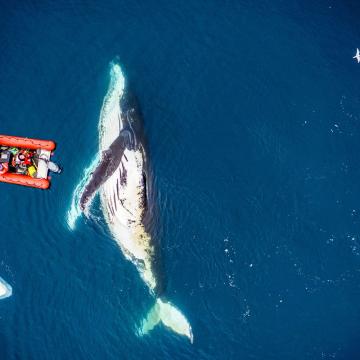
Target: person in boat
x=21, y=160
x=26, y=157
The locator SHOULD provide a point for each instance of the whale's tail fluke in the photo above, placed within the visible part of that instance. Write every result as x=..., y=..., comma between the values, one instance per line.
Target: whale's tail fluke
x=170, y=316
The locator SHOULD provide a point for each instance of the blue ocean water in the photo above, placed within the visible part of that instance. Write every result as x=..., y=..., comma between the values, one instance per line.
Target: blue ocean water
x=252, y=117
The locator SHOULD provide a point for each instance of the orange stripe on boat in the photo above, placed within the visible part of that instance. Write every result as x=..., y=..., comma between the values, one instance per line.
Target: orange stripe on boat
x=27, y=143
x=25, y=180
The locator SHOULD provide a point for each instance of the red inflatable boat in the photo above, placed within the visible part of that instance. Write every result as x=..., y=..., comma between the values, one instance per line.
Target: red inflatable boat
x=25, y=161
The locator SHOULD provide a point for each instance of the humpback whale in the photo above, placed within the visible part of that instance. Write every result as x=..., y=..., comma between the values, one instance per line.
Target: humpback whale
x=120, y=174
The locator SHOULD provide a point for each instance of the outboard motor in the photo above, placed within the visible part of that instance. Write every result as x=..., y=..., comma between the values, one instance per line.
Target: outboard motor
x=54, y=167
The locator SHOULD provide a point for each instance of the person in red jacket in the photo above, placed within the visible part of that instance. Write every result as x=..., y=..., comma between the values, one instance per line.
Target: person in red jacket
x=25, y=158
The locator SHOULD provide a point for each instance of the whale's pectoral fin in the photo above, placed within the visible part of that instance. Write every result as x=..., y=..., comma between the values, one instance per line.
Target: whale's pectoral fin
x=170, y=316
x=110, y=161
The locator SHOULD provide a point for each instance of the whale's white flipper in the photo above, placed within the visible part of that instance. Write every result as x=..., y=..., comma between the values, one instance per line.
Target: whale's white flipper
x=170, y=316
x=110, y=114
x=75, y=212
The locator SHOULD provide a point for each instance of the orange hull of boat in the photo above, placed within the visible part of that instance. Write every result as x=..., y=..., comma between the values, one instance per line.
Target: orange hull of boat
x=25, y=180
x=26, y=143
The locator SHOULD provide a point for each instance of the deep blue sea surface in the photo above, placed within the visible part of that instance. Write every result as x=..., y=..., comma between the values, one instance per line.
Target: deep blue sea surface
x=251, y=111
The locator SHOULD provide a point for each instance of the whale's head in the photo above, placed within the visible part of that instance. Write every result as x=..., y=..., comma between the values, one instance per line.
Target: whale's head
x=120, y=110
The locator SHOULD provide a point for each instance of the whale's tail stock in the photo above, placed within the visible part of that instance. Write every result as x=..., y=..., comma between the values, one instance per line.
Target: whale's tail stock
x=170, y=316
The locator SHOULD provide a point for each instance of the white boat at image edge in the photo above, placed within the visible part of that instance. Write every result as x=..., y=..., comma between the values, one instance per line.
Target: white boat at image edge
x=5, y=289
